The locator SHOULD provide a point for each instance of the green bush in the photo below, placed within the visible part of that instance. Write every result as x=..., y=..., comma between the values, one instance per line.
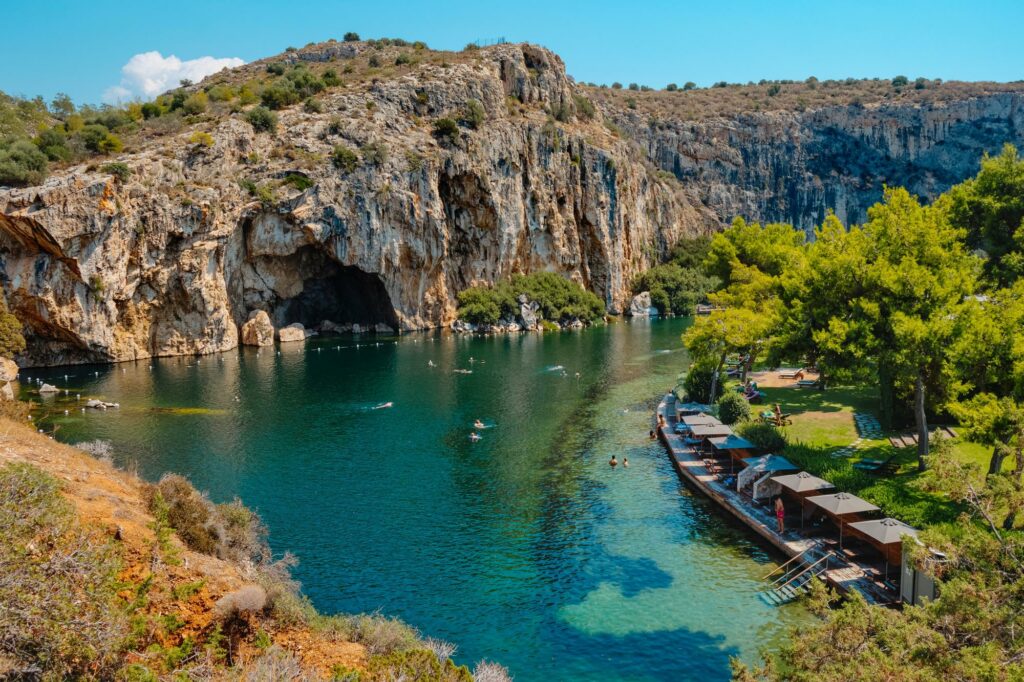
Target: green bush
x=674, y=289
x=559, y=299
x=584, y=108
x=475, y=114
x=344, y=159
x=733, y=408
x=196, y=104
x=12, y=341
x=900, y=81
x=480, y=305
x=262, y=120
x=276, y=68
x=21, y=163
x=417, y=664
x=374, y=153
x=59, y=610
x=351, y=37
x=698, y=384
x=446, y=130
x=121, y=171
x=671, y=87
x=298, y=181
x=314, y=106
x=765, y=436
x=330, y=78
x=54, y=143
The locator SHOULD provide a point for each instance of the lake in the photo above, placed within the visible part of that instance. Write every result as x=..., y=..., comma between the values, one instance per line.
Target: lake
x=524, y=547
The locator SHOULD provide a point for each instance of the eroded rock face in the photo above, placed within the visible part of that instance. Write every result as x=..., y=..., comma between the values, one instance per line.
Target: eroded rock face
x=258, y=330
x=174, y=259
x=795, y=166
x=640, y=306
x=291, y=333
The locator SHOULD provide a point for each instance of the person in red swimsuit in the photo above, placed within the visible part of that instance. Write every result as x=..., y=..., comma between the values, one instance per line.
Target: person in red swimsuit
x=780, y=513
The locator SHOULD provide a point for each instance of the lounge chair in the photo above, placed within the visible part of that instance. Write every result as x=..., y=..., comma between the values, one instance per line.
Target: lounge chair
x=809, y=383
x=791, y=374
x=877, y=466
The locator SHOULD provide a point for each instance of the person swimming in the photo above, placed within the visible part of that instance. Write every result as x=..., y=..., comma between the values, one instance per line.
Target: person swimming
x=479, y=425
x=613, y=462
x=625, y=462
x=383, y=406
x=475, y=436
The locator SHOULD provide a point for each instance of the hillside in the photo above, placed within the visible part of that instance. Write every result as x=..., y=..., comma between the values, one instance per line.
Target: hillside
x=106, y=588
x=380, y=178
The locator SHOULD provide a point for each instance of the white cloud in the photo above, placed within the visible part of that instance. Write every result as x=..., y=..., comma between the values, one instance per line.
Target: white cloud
x=148, y=74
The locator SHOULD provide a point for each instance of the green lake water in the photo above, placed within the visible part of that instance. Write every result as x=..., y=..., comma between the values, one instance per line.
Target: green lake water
x=524, y=547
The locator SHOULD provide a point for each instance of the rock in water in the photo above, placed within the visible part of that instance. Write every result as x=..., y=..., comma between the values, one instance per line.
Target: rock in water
x=48, y=388
x=293, y=332
x=258, y=330
x=641, y=305
x=528, y=313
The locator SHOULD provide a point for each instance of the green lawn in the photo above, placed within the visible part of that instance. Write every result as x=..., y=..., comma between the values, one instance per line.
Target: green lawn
x=823, y=422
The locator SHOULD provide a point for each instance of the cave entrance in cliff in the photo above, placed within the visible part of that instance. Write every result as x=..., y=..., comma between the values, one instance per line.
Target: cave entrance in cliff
x=342, y=294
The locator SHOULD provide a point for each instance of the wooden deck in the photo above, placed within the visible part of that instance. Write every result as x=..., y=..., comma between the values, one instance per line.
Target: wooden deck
x=843, y=575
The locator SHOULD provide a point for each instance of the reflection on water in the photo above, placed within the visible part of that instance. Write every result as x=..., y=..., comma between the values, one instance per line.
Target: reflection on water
x=524, y=547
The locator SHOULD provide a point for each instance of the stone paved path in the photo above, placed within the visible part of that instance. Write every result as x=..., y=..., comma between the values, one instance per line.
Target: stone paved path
x=868, y=428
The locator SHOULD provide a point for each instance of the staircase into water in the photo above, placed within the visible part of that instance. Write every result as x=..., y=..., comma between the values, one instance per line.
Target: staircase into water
x=794, y=580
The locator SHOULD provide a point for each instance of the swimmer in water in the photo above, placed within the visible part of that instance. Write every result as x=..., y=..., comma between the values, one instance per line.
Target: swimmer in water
x=625, y=462
x=384, y=405
x=479, y=425
x=430, y=363
x=613, y=462
x=475, y=436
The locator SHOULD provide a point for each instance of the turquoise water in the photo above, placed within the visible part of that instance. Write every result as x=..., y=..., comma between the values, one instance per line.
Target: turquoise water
x=524, y=547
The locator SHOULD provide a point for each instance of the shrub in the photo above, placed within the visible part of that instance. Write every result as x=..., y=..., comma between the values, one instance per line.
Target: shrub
x=403, y=58
x=54, y=143
x=246, y=600
x=351, y=37
x=487, y=671
x=330, y=78
x=733, y=408
x=479, y=305
x=471, y=47
x=152, y=110
x=374, y=153
x=419, y=664
x=900, y=81
x=344, y=159
x=196, y=104
x=58, y=587
x=442, y=649
x=201, y=139
x=584, y=107
x=12, y=341
x=765, y=436
x=414, y=161
x=474, y=114
x=334, y=126
x=689, y=85
x=373, y=61
x=275, y=664
x=382, y=635
x=634, y=86
x=675, y=289
x=616, y=86
x=671, y=87
x=446, y=130
x=298, y=181
x=313, y=106
x=119, y=170
x=21, y=163
x=100, y=449
x=698, y=384
x=262, y=119
x=276, y=68
x=110, y=144
x=774, y=89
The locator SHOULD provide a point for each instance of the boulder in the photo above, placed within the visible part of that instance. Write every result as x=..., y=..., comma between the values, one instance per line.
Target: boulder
x=528, y=318
x=99, y=404
x=328, y=327
x=6, y=391
x=356, y=328
x=640, y=305
x=258, y=330
x=8, y=370
x=293, y=332
x=48, y=388
x=382, y=328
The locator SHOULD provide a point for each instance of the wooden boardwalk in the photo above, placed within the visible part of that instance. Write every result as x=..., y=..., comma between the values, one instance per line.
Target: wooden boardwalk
x=842, y=574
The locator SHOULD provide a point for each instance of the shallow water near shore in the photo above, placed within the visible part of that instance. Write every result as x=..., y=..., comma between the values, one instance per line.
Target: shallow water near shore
x=524, y=547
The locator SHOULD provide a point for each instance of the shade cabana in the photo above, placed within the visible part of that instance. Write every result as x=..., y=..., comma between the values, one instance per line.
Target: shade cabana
x=735, y=446
x=756, y=467
x=843, y=508
x=887, y=535
x=700, y=419
x=710, y=430
x=689, y=409
x=801, y=485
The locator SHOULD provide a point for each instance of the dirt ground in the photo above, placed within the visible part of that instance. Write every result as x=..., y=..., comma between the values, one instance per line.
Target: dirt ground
x=773, y=380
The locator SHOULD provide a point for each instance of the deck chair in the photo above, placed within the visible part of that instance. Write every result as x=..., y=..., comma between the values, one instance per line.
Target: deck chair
x=877, y=466
x=791, y=374
x=808, y=383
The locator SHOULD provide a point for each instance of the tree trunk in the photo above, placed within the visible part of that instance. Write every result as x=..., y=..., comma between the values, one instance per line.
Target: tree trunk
x=714, y=379
x=886, y=394
x=995, y=465
x=921, y=420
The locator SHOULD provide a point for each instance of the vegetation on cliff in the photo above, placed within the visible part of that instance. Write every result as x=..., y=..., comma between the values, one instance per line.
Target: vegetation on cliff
x=680, y=283
x=559, y=300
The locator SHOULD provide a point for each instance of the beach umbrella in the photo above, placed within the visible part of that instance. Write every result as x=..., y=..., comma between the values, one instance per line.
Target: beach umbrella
x=687, y=409
x=700, y=419
x=710, y=430
x=731, y=442
x=803, y=482
x=886, y=533
x=768, y=463
x=841, y=504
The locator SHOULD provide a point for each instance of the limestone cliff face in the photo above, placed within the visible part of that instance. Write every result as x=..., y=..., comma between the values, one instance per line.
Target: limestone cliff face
x=174, y=258
x=792, y=167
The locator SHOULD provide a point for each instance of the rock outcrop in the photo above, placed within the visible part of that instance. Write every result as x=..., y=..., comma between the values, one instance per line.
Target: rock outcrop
x=258, y=330
x=173, y=259
x=640, y=306
x=8, y=374
x=174, y=256
x=291, y=333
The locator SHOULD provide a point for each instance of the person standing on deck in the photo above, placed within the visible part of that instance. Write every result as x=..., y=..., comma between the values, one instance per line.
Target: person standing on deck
x=780, y=514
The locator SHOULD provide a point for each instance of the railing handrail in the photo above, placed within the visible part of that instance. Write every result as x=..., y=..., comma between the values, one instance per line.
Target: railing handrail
x=791, y=560
x=824, y=558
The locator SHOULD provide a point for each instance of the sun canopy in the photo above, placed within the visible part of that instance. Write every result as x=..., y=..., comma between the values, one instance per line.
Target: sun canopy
x=700, y=419
x=731, y=442
x=842, y=503
x=768, y=463
x=687, y=409
x=884, y=531
x=802, y=482
x=710, y=430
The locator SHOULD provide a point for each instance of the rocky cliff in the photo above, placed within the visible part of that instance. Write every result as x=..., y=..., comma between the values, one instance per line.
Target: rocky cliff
x=174, y=258
x=793, y=166
x=172, y=249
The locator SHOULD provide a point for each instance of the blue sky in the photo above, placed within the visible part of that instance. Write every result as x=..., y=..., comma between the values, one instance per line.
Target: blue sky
x=81, y=47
